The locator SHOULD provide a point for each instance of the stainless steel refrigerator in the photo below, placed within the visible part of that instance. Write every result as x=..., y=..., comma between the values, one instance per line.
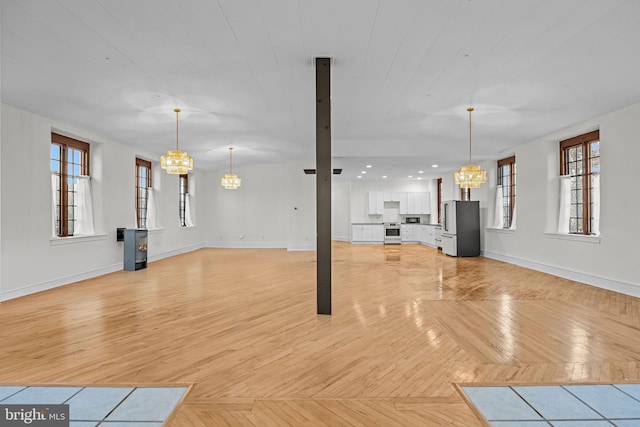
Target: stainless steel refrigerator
x=461, y=228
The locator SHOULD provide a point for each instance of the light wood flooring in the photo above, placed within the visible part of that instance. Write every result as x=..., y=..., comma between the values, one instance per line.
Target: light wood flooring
x=240, y=324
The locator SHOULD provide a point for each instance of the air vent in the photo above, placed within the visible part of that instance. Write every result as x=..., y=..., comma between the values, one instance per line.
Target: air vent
x=313, y=171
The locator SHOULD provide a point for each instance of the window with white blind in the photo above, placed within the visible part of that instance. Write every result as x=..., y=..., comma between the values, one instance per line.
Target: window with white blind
x=69, y=162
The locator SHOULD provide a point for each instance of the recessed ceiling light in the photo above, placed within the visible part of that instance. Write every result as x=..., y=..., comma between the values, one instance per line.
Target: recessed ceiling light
x=410, y=176
x=434, y=166
x=359, y=177
x=384, y=176
x=420, y=171
x=363, y=172
x=419, y=178
x=369, y=166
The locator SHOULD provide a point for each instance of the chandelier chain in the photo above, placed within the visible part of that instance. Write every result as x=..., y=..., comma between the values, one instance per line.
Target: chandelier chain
x=177, y=110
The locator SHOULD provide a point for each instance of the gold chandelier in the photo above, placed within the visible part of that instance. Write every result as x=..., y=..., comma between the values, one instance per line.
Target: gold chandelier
x=177, y=161
x=230, y=181
x=470, y=176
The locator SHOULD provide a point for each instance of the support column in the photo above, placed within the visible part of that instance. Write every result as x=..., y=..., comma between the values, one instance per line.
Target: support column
x=323, y=184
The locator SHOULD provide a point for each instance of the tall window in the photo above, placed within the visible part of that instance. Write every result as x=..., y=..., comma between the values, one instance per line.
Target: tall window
x=184, y=193
x=439, y=199
x=507, y=180
x=69, y=159
x=580, y=160
x=143, y=183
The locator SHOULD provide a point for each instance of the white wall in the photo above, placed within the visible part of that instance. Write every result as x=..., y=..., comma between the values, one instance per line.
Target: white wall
x=273, y=208
x=359, y=190
x=340, y=210
x=613, y=261
x=26, y=212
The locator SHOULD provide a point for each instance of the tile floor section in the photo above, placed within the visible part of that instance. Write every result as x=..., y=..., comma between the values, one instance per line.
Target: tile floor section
x=558, y=406
x=102, y=406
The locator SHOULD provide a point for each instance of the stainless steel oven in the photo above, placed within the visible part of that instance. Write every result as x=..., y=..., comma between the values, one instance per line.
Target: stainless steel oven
x=392, y=233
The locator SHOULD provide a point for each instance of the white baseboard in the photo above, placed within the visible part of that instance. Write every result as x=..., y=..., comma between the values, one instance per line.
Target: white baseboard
x=175, y=252
x=589, y=279
x=246, y=245
x=341, y=238
x=50, y=284
x=66, y=280
x=301, y=247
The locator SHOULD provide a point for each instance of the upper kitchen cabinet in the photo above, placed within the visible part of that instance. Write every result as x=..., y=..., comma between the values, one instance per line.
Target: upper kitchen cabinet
x=415, y=203
x=391, y=197
x=375, y=203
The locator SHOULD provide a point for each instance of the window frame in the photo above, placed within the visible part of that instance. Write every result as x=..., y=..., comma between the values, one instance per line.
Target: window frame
x=439, y=191
x=511, y=194
x=583, y=141
x=183, y=183
x=65, y=143
x=141, y=163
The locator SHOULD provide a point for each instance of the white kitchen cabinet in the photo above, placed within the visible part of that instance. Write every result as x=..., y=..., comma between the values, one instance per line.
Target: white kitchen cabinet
x=367, y=233
x=377, y=233
x=414, y=203
x=411, y=204
x=404, y=206
x=375, y=203
x=410, y=233
x=428, y=235
x=425, y=203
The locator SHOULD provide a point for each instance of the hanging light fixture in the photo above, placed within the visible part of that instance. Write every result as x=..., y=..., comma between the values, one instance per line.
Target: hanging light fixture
x=470, y=176
x=230, y=181
x=176, y=161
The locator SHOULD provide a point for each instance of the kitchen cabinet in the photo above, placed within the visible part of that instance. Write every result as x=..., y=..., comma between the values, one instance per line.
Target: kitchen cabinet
x=389, y=196
x=428, y=235
x=410, y=203
x=410, y=233
x=367, y=233
x=404, y=203
x=423, y=203
x=375, y=203
x=377, y=232
x=438, y=235
x=415, y=203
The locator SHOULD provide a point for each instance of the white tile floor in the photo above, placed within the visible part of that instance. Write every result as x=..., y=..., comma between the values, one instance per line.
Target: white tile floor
x=102, y=406
x=558, y=406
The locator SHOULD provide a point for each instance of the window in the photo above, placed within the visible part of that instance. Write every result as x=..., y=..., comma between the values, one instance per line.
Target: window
x=143, y=183
x=507, y=182
x=69, y=159
x=439, y=199
x=184, y=193
x=580, y=161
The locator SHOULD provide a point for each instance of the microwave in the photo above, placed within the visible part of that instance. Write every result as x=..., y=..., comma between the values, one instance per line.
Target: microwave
x=412, y=220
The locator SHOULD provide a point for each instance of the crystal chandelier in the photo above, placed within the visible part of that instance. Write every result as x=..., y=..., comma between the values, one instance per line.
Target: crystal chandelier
x=470, y=176
x=177, y=161
x=230, y=181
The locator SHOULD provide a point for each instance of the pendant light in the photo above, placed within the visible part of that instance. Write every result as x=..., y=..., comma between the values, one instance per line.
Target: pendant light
x=176, y=161
x=470, y=176
x=230, y=181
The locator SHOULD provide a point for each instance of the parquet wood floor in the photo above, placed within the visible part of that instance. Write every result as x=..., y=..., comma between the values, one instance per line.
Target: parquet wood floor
x=240, y=324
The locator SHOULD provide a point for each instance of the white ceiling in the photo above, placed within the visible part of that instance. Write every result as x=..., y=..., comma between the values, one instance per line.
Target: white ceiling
x=404, y=73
